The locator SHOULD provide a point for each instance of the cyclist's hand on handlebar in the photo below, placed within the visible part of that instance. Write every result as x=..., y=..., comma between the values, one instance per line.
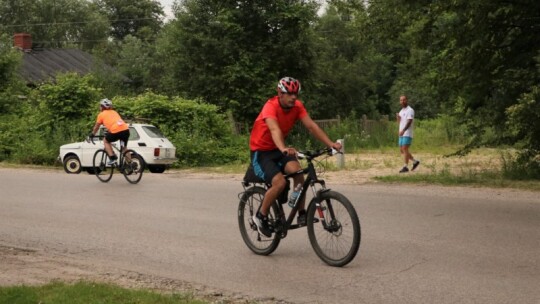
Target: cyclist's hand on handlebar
x=289, y=151
x=90, y=137
x=337, y=146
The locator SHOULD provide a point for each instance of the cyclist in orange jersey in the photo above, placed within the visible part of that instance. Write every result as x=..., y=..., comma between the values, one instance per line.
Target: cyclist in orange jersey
x=117, y=129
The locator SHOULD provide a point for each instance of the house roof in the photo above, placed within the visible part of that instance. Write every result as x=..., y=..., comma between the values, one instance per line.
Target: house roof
x=42, y=65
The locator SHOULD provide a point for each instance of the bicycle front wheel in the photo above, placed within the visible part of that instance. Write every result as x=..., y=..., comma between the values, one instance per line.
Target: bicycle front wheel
x=334, y=229
x=250, y=203
x=132, y=166
x=103, y=172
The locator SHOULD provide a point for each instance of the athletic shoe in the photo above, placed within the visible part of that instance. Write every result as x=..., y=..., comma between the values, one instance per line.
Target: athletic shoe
x=302, y=219
x=415, y=164
x=111, y=162
x=262, y=224
x=404, y=170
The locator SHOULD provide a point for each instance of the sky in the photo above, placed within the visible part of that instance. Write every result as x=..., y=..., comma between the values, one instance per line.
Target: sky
x=167, y=4
x=167, y=7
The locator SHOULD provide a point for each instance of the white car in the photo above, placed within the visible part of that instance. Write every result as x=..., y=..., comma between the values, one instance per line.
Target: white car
x=156, y=150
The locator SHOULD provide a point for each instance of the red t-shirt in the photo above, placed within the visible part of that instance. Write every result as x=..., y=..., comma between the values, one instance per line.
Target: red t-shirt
x=261, y=139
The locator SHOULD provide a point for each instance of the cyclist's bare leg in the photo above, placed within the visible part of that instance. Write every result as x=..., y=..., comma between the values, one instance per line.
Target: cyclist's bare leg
x=278, y=184
x=291, y=167
x=108, y=147
x=128, y=156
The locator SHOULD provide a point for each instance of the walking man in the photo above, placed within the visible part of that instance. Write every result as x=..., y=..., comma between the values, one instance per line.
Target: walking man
x=405, y=119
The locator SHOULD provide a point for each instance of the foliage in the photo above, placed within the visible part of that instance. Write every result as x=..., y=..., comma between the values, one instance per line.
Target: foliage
x=232, y=53
x=55, y=23
x=135, y=62
x=71, y=98
x=482, y=60
x=524, y=128
x=201, y=134
x=141, y=18
x=362, y=133
x=469, y=67
x=349, y=74
x=523, y=123
x=10, y=85
x=53, y=115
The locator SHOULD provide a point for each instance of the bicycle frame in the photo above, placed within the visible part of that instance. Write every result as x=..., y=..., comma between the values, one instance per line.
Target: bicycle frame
x=117, y=145
x=310, y=181
x=333, y=226
x=126, y=170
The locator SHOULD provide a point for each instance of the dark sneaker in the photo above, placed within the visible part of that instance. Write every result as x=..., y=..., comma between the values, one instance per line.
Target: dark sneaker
x=262, y=224
x=302, y=219
x=415, y=164
x=404, y=170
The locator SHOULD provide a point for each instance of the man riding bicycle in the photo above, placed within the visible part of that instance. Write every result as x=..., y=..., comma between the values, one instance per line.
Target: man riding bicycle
x=117, y=129
x=270, y=156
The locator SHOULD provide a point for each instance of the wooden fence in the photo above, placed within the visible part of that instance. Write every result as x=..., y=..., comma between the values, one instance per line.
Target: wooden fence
x=368, y=125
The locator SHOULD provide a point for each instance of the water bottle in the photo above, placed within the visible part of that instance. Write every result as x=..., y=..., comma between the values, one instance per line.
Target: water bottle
x=294, y=195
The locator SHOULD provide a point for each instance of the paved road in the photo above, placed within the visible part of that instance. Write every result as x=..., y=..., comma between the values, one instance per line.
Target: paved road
x=420, y=244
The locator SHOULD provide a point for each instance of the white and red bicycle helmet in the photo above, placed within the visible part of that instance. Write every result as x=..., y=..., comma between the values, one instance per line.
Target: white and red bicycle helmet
x=289, y=85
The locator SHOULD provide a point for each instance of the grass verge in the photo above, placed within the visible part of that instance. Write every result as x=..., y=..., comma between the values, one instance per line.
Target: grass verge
x=88, y=292
x=475, y=179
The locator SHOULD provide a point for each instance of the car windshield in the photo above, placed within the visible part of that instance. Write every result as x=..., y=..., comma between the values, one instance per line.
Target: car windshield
x=153, y=132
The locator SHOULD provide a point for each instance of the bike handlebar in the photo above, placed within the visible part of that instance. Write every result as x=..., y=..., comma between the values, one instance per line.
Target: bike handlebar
x=309, y=155
x=90, y=139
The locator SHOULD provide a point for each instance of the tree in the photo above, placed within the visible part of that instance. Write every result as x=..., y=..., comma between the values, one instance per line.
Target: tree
x=70, y=98
x=232, y=53
x=141, y=18
x=349, y=74
x=55, y=23
x=488, y=50
x=10, y=84
x=135, y=62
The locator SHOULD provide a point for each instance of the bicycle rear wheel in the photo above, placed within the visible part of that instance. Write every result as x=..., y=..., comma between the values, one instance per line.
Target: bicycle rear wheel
x=250, y=202
x=132, y=169
x=103, y=172
x=334, y=229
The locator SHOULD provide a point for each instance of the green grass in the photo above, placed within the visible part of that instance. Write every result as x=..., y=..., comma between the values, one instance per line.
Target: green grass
x=480, y=168
x=444, y=177
x=87, y=292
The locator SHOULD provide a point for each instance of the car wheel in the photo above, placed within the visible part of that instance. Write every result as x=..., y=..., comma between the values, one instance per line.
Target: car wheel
x=72, y=165
x=156, y=168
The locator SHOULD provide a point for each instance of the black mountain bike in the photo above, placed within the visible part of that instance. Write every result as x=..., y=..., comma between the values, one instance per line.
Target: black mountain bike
x=131, y=167
x=332, y=222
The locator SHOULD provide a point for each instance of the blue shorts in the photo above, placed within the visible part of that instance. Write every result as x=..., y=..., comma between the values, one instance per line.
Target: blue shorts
x=269, y=163
x=405, y=141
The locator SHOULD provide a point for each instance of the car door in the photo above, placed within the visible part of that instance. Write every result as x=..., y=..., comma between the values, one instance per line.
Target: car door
x=88, y=149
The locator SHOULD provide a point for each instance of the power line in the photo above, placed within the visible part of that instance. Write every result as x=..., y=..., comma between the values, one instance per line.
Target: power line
x=77, y=22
